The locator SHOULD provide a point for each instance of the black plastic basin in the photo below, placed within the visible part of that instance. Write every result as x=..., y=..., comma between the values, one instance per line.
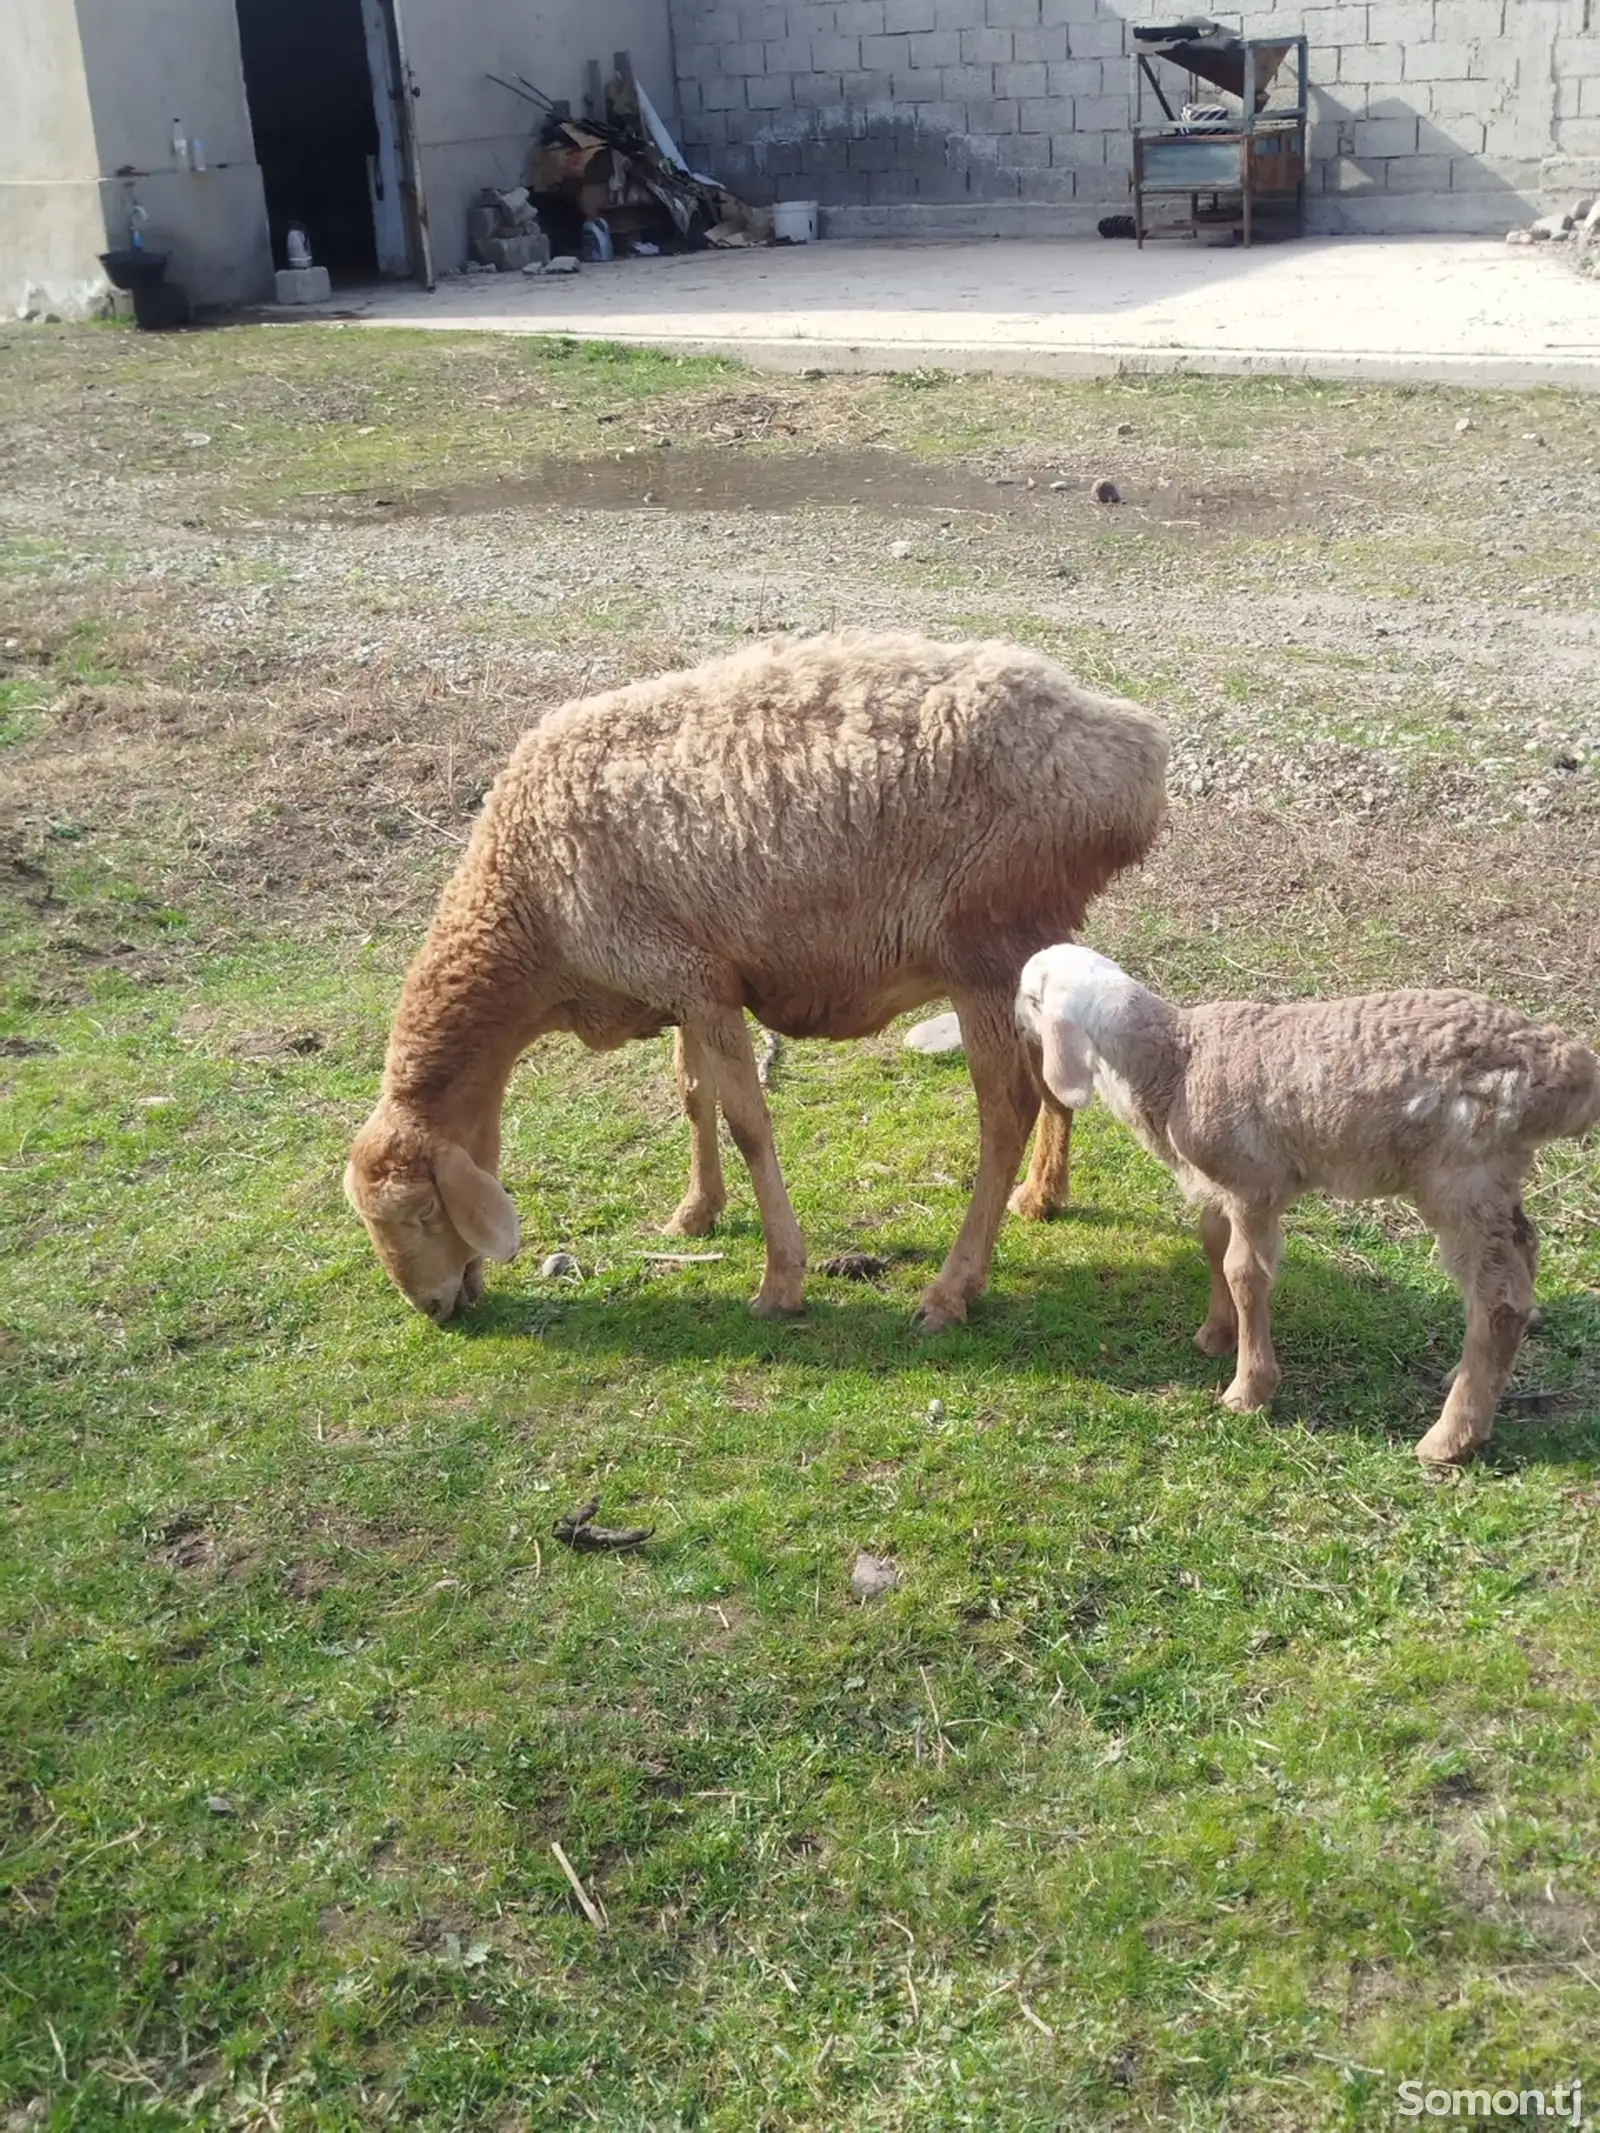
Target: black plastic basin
x=131, y=268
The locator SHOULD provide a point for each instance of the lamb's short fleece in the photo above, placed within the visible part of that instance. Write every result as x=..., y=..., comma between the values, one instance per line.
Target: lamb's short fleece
x=1442, y=1098
x=826, y=832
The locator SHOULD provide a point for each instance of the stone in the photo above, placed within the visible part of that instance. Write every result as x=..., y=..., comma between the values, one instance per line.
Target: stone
x=1551, y=228
x=900, y=550
x=871, y=1576
x=560, y=1266
x=1519, y=237
x=508, y=255
x=303, y=285
x=1106, y=492
x=1466, y=423
x=936, y=1038
x=566, y=264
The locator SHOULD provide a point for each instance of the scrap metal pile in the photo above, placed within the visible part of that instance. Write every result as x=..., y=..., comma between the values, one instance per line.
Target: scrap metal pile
x=614, y=182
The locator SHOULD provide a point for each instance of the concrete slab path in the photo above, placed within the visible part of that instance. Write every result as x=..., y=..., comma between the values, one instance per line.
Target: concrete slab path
x=1454, y=311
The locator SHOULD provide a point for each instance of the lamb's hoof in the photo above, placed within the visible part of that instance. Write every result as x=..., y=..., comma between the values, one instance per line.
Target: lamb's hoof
x=1031, y=1204
x=1246, y=1398
x=694, y=1218
x=1214, y=1339
x=937, y=1314
x=1449, y=1444
x=764, y=1306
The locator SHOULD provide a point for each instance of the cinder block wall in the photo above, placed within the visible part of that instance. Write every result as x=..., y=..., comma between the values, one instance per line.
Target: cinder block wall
x=979, y=117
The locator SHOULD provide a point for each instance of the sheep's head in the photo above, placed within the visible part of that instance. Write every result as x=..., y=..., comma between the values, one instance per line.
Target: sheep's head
x=433, y=1214
x=1054, y=997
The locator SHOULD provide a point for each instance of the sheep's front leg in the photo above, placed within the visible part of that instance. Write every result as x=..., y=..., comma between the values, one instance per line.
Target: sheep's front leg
x=707, y=1195
x=1007, y=1103
x=1250, y=1266
x=1493, y=1257
x=724, y=1042
x=1045, y=1189
x=1220, y=1333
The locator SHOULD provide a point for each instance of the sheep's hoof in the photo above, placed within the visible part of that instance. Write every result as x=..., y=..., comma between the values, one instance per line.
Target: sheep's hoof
x=1449, y=1444
x=694, y=1218
x=1032, y=1205
x=764, y=1306
x=936, y=1314
x=1217, y=1338
x=1247, y=1399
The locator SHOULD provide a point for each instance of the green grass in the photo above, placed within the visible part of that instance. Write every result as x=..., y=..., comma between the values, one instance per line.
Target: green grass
x=1202, y=1772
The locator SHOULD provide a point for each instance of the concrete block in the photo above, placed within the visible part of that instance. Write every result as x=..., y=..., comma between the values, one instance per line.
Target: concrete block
x=1404, y=21
x=710, y=131
x=762, y=19
x=304, y=285
x=1578, y=137
x=1418, y=174
x=1470, y=18
x=1346, y=175
x=1022, y=79
x=1027, y=151
x=765, y=92
x=1077, y=77
x=740, y=56
x=958, y=85
x=867, y=91
x=886, y=50
x=871, y=155
x=1388, y=214
x=1385, y=137
x=1461, y=139
x=1577, y=56
x=861, y=18
x=715, y=24
x=1096, y=38
x=787, y=55
x=723, y=93
x=935, y=48
x=1448, y=101
x=1493, y=174
x=1078, y=151
x=994, y=115
x=912, y=15
x=833, y=54
x=1012, y=14
x=1438, y=61
x=1100, y=114
x=1041, y=114
x=985, y=46
x=1327, y=26
x=1366, y=64
x=1040, y=42
x=1576, y=175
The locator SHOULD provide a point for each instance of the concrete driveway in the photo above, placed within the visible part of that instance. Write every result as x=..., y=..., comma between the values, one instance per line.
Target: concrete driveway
x=1469, y=312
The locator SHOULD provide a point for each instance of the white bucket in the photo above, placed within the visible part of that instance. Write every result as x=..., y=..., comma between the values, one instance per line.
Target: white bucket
x=795, y=221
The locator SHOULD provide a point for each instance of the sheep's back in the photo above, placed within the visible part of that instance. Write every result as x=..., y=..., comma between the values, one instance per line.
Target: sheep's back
x=1367, y=1096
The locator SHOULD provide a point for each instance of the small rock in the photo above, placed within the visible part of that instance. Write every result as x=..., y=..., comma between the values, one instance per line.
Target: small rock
x=1061, y=485
x=1519, y=237
x=900, y=550
x=534, y=266
x=196, y=438
x=1466, y=423
x=1552, y=228
x=1106, y=492
x=1004, y=481
x=936, y=1410
x=566, y=264
x=1124, y=429
x=219, y=1805
x=871, y=1576
x=1532, y=437
x=939, y=1035
x=811, y=371
x=560, y=1266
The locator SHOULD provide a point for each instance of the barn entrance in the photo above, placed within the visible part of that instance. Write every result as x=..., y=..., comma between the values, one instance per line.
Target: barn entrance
x=322, y=79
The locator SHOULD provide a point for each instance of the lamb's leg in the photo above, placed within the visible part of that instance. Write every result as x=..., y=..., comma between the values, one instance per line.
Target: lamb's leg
x=1007, y=1102
x=1492, y=1254
x=707, y=1195
x=1220, y=1333
x=724, y=1043
x=1250, y=1265
x=1046, y=1187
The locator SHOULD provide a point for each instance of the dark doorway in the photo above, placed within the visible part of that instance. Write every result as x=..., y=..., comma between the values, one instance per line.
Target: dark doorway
x=308, y=76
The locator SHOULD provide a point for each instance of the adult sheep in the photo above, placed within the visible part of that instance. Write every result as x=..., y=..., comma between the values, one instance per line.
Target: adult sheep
x=826, y=831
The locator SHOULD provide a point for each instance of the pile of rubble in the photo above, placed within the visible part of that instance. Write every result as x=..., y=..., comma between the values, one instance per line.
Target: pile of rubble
x=604, y=186
x=1578, y=226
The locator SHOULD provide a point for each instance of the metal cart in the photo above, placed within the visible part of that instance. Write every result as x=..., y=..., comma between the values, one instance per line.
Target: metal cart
x=1248, y=177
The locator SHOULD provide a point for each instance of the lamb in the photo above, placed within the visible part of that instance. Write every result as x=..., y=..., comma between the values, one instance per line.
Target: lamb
x=1442, y=1098
x=824, y=831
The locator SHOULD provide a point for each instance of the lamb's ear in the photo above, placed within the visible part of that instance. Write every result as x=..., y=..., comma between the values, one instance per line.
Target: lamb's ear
x=479, y=1205
x=1068, y=1063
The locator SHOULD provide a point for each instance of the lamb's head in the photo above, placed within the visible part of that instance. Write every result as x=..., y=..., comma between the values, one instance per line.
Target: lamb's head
x=433, y=1214
x=1060, y=992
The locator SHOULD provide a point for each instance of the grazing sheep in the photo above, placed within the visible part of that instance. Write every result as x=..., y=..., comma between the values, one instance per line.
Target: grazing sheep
x=1440, y=1097
x=827, y=832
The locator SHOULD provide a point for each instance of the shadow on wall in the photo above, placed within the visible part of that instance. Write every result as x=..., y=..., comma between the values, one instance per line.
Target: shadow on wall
x=1032, y=119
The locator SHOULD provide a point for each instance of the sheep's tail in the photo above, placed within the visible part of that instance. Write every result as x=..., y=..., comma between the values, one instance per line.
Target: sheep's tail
x=1565, y=1100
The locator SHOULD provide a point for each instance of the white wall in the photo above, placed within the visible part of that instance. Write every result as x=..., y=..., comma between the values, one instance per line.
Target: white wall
x=473, y=134
x=50, y=220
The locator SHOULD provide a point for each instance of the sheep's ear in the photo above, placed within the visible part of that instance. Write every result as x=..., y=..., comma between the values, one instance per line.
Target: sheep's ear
x=1068, y=1063
x=479, y=1205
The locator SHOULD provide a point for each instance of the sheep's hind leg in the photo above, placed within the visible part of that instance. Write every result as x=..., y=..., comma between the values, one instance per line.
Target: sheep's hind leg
x=1492, y=1255
x=1250, y=1264
x=724, y=1042
x=707, y=1195
x=1007, y=1103
x=1220, y=1333
x=1045, y=1189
